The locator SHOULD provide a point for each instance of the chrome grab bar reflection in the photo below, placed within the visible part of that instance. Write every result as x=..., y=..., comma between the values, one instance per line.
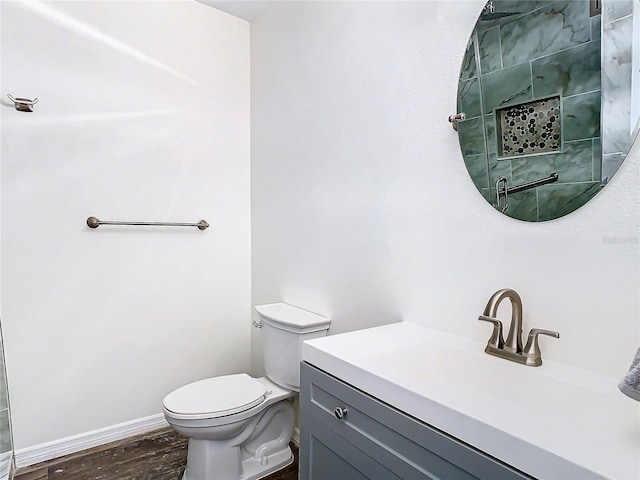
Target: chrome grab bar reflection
x=94, y=222
x=503, y=190
x=535, y=183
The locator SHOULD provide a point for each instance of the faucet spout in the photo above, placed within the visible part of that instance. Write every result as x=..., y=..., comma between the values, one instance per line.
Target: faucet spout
x=514, y=339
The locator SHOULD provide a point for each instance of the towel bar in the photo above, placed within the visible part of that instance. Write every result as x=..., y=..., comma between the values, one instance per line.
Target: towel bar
x=94, y=222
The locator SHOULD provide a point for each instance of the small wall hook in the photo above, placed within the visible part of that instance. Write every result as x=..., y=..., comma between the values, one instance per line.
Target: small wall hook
x=23, y=104
x=454, y=119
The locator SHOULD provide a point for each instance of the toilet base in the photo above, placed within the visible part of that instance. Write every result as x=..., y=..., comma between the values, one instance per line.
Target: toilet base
x=248, y=445
x=253, y=470
x=277, y=461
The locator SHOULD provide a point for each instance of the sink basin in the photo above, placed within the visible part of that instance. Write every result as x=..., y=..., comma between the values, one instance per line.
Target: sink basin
x=553, y=421
x=531, y=390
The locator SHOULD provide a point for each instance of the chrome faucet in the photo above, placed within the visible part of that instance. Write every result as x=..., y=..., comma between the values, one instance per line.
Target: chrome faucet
x=512, y=349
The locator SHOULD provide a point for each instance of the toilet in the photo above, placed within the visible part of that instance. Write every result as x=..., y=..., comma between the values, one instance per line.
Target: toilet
x=239, y=427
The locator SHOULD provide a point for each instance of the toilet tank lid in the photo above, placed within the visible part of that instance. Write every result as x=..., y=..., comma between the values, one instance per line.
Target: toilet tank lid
x=289, y=317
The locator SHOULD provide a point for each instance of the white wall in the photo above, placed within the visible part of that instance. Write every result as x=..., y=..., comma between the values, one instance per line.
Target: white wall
x=143, y=115
x=362, y=209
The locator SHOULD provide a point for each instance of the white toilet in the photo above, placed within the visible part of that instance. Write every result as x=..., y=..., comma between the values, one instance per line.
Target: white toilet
x=239, y=427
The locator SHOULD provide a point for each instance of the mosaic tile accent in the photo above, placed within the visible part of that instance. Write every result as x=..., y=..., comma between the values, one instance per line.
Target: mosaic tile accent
x=529, y=128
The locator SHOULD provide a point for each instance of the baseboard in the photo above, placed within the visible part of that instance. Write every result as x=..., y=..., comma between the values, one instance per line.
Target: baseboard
x=295, y=438
x=65, y=446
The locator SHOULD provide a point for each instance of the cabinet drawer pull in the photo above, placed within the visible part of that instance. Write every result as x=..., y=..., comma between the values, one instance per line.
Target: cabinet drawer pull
x=340, y=412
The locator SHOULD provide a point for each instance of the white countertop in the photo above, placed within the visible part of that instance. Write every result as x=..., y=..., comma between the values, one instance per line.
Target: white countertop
x=552, y=422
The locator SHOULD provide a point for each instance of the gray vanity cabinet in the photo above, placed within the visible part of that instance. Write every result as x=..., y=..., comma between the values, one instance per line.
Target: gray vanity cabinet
x=375, y=441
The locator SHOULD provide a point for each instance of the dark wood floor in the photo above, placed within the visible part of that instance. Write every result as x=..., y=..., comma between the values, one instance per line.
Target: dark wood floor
x=157, y=455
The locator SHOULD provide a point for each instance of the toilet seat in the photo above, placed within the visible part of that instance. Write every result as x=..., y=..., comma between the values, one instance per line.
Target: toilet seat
x=215, y=397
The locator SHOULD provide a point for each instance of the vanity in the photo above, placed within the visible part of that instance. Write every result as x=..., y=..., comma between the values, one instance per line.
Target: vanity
x=409, y=402
x=544, y=119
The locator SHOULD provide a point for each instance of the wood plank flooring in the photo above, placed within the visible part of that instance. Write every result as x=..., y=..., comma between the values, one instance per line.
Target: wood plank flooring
x=157, y=455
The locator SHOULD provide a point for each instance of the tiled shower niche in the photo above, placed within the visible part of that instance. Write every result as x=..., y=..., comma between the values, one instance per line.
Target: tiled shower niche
x=530, y=128
x=525, y=53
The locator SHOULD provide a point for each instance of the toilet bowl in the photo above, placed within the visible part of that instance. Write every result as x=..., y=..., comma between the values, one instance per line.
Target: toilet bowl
x=239, y=427
x=236, y=425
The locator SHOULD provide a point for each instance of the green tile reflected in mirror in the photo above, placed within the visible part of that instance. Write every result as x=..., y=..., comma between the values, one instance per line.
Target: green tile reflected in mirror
x=548, y=120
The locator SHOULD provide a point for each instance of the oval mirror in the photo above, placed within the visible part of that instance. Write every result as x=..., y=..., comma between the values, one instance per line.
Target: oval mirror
x=548, y=102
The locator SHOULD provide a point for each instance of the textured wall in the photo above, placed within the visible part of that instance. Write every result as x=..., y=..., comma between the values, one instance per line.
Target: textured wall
x=143, y=115
x=363, y=210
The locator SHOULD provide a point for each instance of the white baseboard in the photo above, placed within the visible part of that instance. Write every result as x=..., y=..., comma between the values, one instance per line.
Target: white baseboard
x=65, y=446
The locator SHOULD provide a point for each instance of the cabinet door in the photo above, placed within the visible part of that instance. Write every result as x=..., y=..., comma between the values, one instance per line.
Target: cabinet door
x=375, y=437
x=327, y=456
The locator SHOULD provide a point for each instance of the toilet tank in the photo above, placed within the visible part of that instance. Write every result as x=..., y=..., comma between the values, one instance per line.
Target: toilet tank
x=284, y=328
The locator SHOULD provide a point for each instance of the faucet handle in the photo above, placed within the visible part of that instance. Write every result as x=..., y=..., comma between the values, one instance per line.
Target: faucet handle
x=496, y=340
x=532, y=349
